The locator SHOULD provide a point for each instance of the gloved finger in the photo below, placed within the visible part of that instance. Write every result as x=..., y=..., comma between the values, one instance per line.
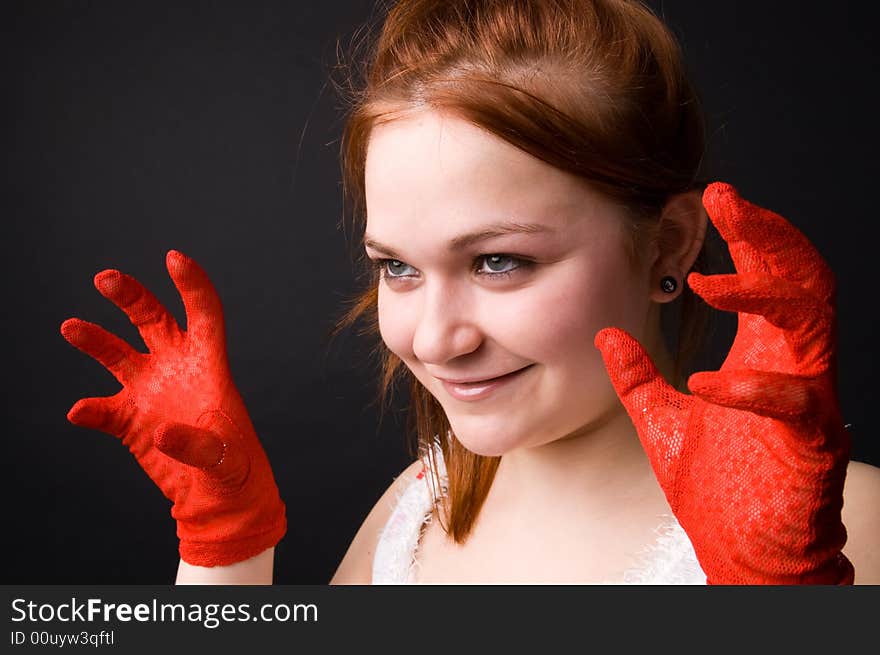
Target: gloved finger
x=211, y=448
x=806, y=323
x=156, y=325
x=785, y=304
x=115, y=354
x=103, y=413
x=760, y=239
x=204, y=311
x=766, y=393
x=190, y=445
x=657, y=409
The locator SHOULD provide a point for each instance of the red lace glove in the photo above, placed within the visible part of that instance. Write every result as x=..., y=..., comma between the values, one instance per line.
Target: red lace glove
x=182, y=418
x=753, y=463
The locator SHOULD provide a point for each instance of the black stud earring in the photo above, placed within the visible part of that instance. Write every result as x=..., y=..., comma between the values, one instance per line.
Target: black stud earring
x=669, y=284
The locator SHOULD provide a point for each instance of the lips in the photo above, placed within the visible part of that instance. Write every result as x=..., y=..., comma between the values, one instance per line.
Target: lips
x=480, y=389
x=464, y=382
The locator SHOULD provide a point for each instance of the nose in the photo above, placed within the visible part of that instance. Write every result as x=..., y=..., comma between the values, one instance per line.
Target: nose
x=446, y=327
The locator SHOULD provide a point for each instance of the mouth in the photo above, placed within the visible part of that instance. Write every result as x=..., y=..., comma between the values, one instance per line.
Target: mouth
x=483, y=380
x=479, y=389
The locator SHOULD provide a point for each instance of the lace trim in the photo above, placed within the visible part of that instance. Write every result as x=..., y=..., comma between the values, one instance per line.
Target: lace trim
x=395, y=560
x=669, y=560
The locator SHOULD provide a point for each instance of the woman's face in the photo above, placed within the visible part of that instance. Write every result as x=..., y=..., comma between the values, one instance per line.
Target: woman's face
x=494, y=263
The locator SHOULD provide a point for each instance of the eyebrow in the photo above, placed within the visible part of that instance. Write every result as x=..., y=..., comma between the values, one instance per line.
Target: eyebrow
x=463, y=241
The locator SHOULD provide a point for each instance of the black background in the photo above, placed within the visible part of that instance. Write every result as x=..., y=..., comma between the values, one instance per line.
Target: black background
x=211, y=128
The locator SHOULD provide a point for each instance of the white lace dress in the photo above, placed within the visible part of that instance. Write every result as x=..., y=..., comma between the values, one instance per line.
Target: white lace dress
x=670, y=559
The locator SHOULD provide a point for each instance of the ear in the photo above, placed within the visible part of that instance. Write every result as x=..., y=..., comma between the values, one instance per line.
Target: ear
x=680, y=235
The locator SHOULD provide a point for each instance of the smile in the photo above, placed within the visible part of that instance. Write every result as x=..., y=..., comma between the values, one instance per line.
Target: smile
x=471, y=391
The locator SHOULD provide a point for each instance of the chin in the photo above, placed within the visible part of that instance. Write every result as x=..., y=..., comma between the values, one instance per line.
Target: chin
x=487, y=438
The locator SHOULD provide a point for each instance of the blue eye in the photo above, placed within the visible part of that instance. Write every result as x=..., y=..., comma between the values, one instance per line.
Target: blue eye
x=392, y=268
x=491, y=261
x=493, y=266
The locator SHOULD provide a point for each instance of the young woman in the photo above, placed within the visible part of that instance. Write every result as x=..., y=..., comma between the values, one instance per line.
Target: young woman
x=527, y=175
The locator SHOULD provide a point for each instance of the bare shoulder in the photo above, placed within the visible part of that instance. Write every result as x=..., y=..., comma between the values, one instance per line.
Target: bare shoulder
x=861, y=516
x=356, y=567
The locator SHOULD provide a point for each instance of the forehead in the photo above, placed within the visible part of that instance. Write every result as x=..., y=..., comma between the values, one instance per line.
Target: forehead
x=439, y=172
x=430, y=142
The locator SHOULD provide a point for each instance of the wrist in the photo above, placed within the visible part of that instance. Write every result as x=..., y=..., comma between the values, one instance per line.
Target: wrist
x=256, y=570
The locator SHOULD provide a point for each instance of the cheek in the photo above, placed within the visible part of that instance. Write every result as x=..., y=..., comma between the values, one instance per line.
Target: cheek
x=396, y=325
x=557, y=318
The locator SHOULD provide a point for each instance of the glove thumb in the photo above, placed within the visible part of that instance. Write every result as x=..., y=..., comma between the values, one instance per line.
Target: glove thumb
x=656, y=408
x=212, y=449
x=636, y=379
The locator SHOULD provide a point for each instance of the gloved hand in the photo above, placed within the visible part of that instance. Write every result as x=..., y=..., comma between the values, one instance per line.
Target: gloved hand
x=753, y=462
x=181, y=416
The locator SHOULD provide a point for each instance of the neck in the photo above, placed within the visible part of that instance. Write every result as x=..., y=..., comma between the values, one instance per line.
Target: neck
x=591, y=469
x=594, y=468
